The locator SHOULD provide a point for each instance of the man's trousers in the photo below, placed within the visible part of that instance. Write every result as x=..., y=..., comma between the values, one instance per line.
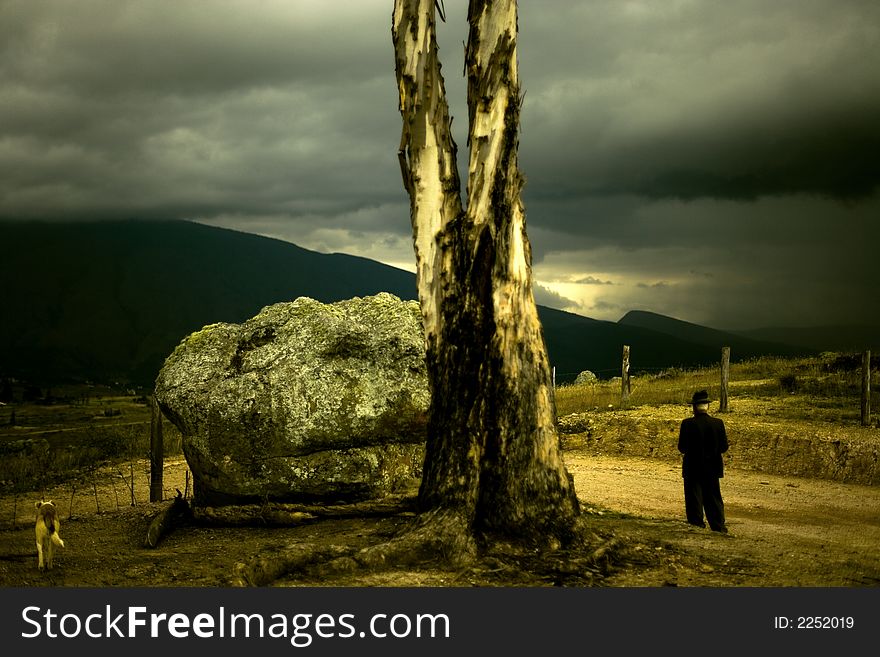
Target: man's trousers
x=704, y=494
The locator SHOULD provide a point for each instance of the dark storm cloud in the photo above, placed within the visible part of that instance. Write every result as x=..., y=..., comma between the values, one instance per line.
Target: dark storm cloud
x=727, y=149
x=164, y=47
x=793, y=261
x=735, y=139
x=698, y=99
x=660, y=100
x=189, y=109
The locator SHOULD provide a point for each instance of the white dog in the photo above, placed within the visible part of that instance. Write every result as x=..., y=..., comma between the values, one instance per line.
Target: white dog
x=47, y=529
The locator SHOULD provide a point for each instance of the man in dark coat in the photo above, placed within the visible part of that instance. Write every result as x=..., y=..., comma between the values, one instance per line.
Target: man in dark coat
x=703, y=439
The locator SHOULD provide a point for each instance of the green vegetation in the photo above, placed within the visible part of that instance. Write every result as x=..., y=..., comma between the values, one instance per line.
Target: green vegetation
x=66, y=438
x=822, y=388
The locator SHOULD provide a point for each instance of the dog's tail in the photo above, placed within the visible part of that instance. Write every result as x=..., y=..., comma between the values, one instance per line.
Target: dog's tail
x=47, y=511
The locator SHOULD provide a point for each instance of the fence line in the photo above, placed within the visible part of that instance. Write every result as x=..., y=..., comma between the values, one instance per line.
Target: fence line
x=626, y=389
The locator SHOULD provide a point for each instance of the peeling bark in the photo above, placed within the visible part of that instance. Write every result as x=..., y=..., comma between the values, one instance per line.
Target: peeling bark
x=493, y=462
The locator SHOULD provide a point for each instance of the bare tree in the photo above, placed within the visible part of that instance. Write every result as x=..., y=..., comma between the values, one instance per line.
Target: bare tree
x=493, y=463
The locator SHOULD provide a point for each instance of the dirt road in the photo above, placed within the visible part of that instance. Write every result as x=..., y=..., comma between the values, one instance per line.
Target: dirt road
x=786, y=531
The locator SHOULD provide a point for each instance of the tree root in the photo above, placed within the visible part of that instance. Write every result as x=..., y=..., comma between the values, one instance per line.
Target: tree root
x=443, y=538
x=286, y=515
x=584, y=560
x=265, y=570
x=250, y=516
x=437, y=536
x=164, y=519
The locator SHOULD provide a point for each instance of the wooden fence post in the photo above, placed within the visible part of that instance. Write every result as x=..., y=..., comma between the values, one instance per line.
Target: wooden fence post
x=157, y=492
x=625, y=385
x=866, y=388
x=725, y=378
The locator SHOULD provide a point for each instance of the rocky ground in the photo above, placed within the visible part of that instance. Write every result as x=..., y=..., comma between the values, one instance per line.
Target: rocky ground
x=785, y=531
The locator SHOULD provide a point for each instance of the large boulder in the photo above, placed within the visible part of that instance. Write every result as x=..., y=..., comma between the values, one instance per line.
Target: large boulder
x=304, y=402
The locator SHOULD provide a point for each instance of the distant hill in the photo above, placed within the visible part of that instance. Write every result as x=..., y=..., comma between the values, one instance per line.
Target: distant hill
x=576, y=343
x=742, y=347
x=108, y=301
x=822, y=338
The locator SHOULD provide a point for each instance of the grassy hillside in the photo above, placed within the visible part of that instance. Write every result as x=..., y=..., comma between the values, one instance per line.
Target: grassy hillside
x=108, y=301
x=823, y=388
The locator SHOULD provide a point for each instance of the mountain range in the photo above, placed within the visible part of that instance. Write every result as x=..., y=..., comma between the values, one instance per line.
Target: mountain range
x=107, y=301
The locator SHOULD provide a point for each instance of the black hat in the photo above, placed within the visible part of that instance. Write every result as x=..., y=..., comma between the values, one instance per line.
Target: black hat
x=701, y=397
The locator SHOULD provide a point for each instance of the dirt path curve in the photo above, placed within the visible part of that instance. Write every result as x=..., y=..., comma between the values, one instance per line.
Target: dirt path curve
x=786, y=531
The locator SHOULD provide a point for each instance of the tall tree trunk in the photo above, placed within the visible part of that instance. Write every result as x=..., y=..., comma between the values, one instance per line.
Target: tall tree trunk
x=493, y=460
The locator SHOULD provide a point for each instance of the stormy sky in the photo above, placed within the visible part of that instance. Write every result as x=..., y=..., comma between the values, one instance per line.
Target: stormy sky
x=713, y=161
